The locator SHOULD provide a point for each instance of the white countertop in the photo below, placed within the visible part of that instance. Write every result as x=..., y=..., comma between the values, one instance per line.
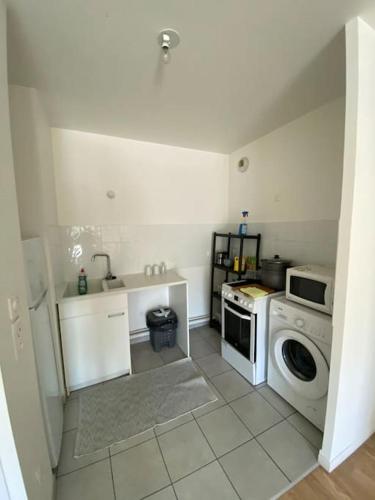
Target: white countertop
x=133, y=283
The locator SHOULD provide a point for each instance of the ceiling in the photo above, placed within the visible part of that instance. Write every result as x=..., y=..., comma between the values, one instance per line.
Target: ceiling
x=242, y=69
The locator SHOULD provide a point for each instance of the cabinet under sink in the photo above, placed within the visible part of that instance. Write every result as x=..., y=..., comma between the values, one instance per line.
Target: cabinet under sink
x=95, y=339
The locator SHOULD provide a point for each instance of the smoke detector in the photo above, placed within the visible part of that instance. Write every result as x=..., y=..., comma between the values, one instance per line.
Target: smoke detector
x=243, y=164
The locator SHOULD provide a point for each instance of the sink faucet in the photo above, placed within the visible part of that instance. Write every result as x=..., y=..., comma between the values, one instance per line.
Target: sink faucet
x=109, y=275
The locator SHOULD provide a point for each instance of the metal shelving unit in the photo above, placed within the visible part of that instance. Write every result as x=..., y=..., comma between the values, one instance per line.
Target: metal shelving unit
x=228, y=271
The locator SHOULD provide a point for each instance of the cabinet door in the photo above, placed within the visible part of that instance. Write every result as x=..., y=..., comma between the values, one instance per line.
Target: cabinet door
x=96, y=347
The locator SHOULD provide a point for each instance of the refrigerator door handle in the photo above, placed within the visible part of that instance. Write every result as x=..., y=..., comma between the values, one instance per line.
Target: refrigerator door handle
x=39, y=301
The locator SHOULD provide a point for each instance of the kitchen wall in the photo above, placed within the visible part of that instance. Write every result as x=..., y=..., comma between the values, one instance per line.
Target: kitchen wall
x=153, y=183
x=292, y=187
x=33, y=164
x=169, y=200
x=35, y=184
x=167, y=203
x=24, y=453
x=351, y=397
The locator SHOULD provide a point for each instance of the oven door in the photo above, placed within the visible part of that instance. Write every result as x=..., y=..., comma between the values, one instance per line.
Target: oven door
x=240, y=330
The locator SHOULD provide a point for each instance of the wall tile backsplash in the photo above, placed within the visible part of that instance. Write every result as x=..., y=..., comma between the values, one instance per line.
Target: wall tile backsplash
x=302, y=242
x=186, y=247
x=132, y=247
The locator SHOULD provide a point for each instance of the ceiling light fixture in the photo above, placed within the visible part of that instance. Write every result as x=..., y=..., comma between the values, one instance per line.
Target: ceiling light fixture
x=168, y=39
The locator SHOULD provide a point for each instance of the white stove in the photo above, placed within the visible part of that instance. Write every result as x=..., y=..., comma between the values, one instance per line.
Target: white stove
x=245, y=330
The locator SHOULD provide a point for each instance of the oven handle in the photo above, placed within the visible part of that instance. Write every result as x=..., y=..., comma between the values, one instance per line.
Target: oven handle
x=242, y=316
x=252, y=341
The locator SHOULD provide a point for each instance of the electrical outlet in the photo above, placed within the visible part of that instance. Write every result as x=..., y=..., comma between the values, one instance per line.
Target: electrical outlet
x=17, y=335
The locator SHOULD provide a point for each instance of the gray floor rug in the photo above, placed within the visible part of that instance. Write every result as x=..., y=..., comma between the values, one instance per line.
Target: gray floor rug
x=125, y=407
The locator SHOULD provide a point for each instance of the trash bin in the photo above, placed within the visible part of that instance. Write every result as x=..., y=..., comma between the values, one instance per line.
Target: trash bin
x=162, y=323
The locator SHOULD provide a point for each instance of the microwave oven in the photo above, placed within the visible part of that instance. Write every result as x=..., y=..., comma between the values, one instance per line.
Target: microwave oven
x=311, y=286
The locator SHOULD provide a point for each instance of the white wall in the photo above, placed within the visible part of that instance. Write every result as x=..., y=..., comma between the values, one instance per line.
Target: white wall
x=168, y=202
x=154, y=183
x=18, y=377
x=292, y=186
x=295, y=171
x=33, y=157
x=11, y=480
x=35, y=184
x=33, y=164
x=351, y=398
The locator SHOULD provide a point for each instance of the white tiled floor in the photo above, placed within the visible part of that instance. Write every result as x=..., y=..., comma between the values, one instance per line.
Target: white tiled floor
x=257, y=414
x=196, y=450
x=249, y=444
x=212, y=426
x=253, y=473
x=139, y=471
x=231, y=385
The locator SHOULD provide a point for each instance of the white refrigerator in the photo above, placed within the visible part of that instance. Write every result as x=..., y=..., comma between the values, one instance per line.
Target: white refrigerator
x=51, y=394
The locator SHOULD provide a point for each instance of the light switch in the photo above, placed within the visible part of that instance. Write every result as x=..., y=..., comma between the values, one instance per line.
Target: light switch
x=17, y=334
x=13, y=308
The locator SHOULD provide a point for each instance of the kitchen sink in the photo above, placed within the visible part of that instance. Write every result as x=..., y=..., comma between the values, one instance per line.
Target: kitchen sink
x=113, y=284
x=93, y=286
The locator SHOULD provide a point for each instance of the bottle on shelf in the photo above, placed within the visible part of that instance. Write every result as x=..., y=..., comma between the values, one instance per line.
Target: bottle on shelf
x=236, y=264
x=243, y=265
x=251, y=263
x=242, y=230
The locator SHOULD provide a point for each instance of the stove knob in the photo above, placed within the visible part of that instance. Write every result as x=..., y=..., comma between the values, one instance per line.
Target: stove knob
x=241, y=301
x=230, y=295
x=245, y=304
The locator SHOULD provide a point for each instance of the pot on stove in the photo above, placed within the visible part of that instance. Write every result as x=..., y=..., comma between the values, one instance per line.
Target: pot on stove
x=273, y=272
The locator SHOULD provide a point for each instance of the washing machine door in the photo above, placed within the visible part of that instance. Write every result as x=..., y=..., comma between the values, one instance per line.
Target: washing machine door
x=300, y=362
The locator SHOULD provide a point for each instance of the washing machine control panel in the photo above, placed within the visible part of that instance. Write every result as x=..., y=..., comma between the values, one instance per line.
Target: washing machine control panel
x=313, y=329
x=310, y=322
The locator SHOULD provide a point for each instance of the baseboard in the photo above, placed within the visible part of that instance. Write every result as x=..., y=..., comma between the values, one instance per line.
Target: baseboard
x=324, y=462
x=198, y=321
x=143, y=334
x=98, y=380
x=330, y=465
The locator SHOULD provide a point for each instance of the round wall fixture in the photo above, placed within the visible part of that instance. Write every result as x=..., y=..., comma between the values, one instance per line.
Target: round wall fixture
x=243, y=164
x=168, y=39
x=111, y=194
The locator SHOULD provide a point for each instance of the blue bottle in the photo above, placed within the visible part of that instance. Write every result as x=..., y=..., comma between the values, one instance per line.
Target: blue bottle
x=242, y=231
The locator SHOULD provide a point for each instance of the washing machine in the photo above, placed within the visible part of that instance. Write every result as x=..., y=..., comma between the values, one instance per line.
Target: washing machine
x=299, y=354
